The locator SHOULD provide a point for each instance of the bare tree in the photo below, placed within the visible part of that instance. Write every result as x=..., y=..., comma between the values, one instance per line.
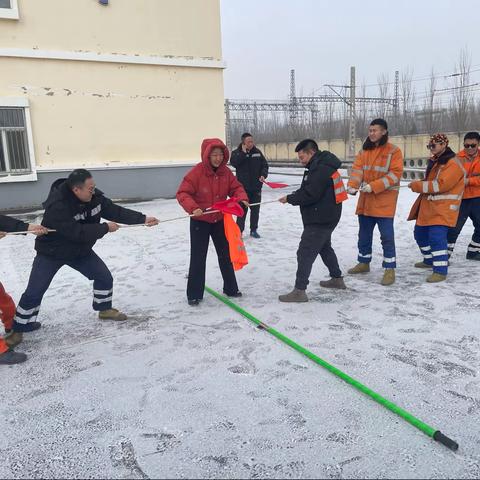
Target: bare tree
x=361, y=111
x=384, y=91
x=328, y=120
x=462, y=97
x=431, y=123
x=407, y=92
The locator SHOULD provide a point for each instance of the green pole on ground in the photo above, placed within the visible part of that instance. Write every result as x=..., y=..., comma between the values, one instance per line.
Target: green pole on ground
x=427, y=429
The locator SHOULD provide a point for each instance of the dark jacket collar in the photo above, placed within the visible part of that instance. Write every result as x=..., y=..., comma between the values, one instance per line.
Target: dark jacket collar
x=253, y=150
x=447, y=155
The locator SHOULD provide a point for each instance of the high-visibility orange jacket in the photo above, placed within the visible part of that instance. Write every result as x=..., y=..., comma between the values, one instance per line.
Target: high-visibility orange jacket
x=472, y=169
x=440, y=193
x=382, y=168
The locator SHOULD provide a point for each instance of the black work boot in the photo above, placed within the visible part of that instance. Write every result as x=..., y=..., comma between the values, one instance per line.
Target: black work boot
x=11, y=358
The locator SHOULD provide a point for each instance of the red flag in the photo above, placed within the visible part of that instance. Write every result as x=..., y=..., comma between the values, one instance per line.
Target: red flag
x=275, y=184
x=230, y=205
x=236, y=247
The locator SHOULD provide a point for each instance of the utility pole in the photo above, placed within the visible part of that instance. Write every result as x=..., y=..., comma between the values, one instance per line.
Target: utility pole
x=293, y=99
x=227, y=124
x=352, y=136
x=305, y=105
x=396, y=96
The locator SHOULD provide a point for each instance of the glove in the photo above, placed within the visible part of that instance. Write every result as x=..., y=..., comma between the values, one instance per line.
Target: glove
x=366, y=188
x=352, y=191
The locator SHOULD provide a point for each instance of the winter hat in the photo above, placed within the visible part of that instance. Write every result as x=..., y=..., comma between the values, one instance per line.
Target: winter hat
x=439, y=138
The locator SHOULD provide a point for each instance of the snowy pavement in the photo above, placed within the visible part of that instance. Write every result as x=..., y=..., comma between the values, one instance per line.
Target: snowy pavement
x=183, y=392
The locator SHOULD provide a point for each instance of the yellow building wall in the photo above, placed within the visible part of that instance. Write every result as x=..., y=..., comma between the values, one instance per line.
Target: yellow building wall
x=92, y=113
x=109, y=114
x=412, y=146
x=143, y=27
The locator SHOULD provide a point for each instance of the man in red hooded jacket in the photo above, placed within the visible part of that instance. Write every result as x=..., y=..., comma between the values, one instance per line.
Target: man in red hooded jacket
x=209, y=182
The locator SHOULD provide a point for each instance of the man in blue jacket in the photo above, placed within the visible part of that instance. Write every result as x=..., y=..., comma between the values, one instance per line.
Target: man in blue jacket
x=73, y=209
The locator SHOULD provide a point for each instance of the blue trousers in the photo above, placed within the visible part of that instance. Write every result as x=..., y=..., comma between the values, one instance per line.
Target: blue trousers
x=469, y=208
x=387, y=236
x=432, y=241
x=44, y=268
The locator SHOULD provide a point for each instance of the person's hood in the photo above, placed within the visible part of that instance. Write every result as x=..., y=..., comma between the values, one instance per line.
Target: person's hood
x=60, y=191
x=57, y=191
x=325, y=158
x=208, y=145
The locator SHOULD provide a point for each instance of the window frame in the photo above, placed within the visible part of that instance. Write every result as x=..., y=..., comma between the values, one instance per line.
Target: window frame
x=10, y=13
x=7, y=177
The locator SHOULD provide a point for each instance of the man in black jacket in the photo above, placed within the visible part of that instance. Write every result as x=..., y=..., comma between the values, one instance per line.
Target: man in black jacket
x=319, y=197
x=73, y=209
x=7, y=306
x=252, y=169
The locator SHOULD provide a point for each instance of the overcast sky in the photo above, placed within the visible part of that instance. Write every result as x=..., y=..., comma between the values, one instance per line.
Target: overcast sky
x=320, y=39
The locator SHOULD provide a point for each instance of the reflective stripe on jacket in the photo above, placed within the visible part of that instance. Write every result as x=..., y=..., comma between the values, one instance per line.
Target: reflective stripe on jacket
x=440, y=194
x=339, y=188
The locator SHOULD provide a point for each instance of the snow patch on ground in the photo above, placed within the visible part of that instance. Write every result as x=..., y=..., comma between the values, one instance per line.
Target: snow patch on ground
x=200, y=392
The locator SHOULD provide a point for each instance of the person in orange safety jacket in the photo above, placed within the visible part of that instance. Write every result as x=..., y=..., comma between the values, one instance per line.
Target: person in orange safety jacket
x=376, y=173
x=436, y=208
x=470, y=206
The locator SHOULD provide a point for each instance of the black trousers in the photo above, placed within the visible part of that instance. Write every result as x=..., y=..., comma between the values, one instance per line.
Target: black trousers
x=253, y=197
x=469, y=208
x=200, y=233
x=316, y=240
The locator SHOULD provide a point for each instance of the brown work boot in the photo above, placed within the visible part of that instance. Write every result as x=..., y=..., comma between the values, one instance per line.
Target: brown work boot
x=388, y=277
x=360, y=268
x=422, y=265
x=13, y=339
x=334, y=283
x=295, y=295
x=436, y=277
x=112, y=314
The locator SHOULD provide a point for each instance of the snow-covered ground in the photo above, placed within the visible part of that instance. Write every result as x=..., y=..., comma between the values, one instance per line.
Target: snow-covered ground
x=200, y=392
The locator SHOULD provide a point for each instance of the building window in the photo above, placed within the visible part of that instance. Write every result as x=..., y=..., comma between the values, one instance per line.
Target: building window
x=14, y=154
x=17, y=156
x=9, y=9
